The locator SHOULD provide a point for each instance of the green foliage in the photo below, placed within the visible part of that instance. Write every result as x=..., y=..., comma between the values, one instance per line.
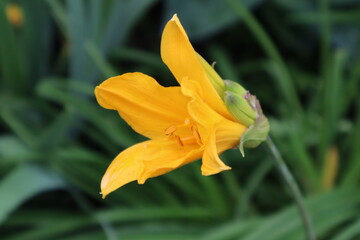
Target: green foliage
x=301, y=59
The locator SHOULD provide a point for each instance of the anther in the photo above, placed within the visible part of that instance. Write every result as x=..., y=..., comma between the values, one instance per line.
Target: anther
x=170, y=130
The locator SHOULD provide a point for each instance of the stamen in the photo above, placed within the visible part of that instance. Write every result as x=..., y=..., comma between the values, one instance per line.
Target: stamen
x=183, y=137
x=188, y=140
x=196, y=134
x=170, y=130
x=177, y=138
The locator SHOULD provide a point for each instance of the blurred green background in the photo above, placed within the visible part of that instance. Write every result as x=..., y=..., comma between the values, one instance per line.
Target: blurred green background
x=300, y=57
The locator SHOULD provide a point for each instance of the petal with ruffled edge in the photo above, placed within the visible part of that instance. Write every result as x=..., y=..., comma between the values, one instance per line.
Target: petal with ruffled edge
x=211, y=163
x=145, y=160
x=146, y=106
x=182, y=60
x=222, y=137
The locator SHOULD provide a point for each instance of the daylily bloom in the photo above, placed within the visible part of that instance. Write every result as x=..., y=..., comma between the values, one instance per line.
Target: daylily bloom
x=14, y=14
x=184, y=123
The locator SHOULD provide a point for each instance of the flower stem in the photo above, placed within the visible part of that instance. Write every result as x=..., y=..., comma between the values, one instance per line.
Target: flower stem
x=294, y=188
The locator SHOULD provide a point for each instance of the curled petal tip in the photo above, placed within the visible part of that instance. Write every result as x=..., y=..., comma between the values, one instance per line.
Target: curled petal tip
x=174, y=18
x=104, y=186
x=141, y=180
x=103, y=194
x=225, y=168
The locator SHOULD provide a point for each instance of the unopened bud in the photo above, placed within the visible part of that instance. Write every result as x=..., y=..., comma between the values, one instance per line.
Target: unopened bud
x=235, y=87
x=237, y=104
x=247, y=110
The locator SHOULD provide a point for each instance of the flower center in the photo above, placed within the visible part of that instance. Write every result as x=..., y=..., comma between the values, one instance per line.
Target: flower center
x=185, y=134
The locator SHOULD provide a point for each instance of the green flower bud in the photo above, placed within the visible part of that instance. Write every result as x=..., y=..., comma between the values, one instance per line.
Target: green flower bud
x=237, y=104
x=213, y=76
x=235, y=88
x=247, y=110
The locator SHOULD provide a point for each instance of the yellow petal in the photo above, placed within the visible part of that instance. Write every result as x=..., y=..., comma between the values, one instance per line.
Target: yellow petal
x=182, y=60
x=211, y=163
x=145, y=160
x=145, y=105
x=225, y=135
x=167, y=157
x=199, y=109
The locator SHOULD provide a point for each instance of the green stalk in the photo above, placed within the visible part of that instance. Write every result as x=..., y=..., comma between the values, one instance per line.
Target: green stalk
x=280, y=70
x=326, y=75
x=294, y=188
x=281, y=75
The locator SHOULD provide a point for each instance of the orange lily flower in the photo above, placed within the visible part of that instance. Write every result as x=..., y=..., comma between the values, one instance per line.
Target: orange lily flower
x=183, y=123
x=14, y=14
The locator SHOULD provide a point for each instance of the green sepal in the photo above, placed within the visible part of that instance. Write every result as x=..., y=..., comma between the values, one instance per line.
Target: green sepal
x=213, y=76
x=235, y=88
x=254, y=135
x=258, y=132
x=237, y=104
